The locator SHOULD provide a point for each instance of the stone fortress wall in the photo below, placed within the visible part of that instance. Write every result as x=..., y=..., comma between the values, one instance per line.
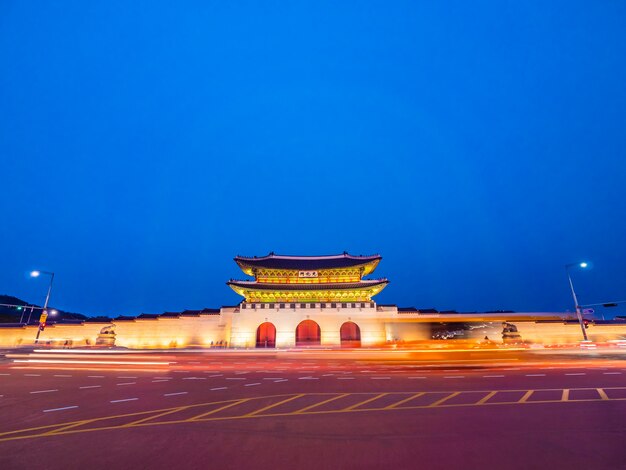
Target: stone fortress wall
x=379, y=325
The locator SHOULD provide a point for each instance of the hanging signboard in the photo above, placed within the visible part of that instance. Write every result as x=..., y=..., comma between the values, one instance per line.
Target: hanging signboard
x=307, y=273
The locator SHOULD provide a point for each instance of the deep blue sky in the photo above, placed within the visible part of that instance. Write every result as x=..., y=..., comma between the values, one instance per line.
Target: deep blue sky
x=477, y=146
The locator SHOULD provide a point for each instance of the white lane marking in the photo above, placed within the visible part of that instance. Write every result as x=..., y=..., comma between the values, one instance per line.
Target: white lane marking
x=219, y=388
x=127, y=383
x=124, y=399
x=216, y=375
x=493, y=375
x=45, y=391
x=162, y=380
x=416, y=377
x=250, y=385
x=272, y=378
x=194, y=378
x=32, y=375
x=239, y=372
x=281, y=380
x=535, y=375
x=62, y=375
x=345, y=378
x=126, y=377
x=90, y=386
x=327, y=375
x=611, y=373
x=96, y=376
x=5, y=374
x=59, y=409
x=577, y=373
x=380, y=378
x=308, y=378
x=235, y=378
x=454, y=377
x=175, y=393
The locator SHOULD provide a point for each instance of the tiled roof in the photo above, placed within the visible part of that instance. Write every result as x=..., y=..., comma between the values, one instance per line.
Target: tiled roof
x=253, y=285
x=170, y=314
x=210, y=311
x=148, y=315
x=274, y=261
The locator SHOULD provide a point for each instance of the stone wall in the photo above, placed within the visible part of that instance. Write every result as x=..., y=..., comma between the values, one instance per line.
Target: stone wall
x=235, y=327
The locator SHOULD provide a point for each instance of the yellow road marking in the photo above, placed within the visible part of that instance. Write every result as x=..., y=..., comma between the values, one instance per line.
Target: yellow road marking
x=439, y=402
x=222, y=418
x=137, y=413
x=286, y=400
x=314, y=405
x=486, y=397
x=230, y=405
x=526, y=396
x=158, y=415
x=69, y=426
x=398, y=403
x=365, y=402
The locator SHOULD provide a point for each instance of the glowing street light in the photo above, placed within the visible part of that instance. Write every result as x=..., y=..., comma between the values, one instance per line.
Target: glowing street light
x=579, y=315
x=44, y=313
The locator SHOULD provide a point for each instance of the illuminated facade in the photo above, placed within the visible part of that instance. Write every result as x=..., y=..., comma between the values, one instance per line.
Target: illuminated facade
x=309, y=279
x=307, y=301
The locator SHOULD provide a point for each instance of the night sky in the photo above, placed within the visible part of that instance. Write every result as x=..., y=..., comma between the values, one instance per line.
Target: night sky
x=477, y=146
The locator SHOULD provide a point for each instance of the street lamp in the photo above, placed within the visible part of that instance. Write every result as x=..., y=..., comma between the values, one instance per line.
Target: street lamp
x=582, y=265
x=44, y=313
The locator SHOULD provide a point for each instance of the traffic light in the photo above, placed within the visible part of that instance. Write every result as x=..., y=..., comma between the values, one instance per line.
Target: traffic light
x=586, y=323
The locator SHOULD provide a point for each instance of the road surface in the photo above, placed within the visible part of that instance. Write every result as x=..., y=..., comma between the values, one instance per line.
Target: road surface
x=311, y=409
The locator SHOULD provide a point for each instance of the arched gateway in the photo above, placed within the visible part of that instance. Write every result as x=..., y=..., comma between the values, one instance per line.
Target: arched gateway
x=350, y=335
x=308, y=333
x=266, y=335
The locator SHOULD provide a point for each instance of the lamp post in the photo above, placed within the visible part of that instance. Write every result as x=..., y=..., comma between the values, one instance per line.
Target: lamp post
x=571, y=285
x=44, y=313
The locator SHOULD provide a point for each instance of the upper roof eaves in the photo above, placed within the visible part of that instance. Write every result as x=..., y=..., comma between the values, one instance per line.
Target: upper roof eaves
x=274, y=261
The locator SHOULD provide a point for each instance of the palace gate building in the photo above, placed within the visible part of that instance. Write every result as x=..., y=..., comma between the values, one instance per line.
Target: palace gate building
x=308, y=301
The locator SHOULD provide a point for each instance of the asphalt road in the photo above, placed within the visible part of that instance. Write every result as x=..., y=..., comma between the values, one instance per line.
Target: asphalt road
x=312, y=409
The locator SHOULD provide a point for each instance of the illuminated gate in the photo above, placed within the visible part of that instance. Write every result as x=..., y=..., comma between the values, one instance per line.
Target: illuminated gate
x=266, y=335
x=308, y=333
x=350, y=335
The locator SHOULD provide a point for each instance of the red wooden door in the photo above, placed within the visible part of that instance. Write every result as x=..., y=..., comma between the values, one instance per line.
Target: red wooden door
x=308, y=333
x=266, y=335
x=350, y=335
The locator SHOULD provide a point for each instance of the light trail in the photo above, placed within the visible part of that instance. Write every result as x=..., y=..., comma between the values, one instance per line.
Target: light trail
x=52, y=361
